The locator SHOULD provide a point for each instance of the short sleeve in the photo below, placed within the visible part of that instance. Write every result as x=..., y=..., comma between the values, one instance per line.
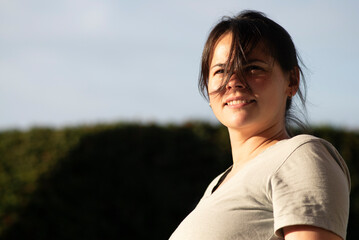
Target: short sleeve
x=312, y=187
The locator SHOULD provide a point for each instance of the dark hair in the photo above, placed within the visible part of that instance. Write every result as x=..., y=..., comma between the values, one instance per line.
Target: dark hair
x=248, y=29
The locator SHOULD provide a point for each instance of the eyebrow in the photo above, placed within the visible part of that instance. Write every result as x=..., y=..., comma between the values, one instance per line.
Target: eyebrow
x=218, y=65
x=247, y=63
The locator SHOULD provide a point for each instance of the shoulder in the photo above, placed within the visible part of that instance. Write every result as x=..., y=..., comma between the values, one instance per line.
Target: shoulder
x=311, y=186
x=309, y=155
x=308, y=141
x=303, y=143
x=305, y=151
x=310, y=151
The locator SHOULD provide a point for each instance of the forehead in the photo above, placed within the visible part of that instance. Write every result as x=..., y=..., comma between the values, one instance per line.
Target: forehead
x=222, y=49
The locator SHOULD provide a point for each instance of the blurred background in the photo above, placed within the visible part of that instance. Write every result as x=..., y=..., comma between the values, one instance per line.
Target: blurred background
x=103, y=133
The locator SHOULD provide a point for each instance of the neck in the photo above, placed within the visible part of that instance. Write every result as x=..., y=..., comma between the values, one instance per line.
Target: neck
x=245, y=147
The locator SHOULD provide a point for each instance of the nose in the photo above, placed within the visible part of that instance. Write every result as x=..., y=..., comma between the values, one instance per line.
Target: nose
x=234, y=82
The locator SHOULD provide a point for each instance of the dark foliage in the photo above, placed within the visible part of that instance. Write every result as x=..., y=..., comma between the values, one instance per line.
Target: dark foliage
x=123, y=181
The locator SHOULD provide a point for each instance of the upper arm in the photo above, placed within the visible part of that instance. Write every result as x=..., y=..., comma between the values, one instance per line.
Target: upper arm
x=311, y=189
x=299, y=232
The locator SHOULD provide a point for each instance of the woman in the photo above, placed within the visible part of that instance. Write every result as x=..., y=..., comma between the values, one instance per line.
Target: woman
x=279, y=187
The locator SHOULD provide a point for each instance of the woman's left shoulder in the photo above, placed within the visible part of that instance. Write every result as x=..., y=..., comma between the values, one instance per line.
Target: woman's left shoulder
x=311, y=186
x=311, y=145
x=310, y=140
x=316, y=152
x=305, y=145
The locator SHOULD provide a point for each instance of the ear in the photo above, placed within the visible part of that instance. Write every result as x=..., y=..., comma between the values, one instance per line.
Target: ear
x=294, y=80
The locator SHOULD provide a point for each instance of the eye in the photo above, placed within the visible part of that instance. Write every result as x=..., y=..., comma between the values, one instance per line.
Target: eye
x=254, y=69
x=219, y=71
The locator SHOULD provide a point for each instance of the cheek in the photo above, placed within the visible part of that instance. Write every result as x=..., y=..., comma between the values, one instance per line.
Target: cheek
x=216, y=109
x=214, y=84
x=211, y=86
x=214, y=100
x=272, y=91
x=216, y=105
x=260, y=86
x=260, y=80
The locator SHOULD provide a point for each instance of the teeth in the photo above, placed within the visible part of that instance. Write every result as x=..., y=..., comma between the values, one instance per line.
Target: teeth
x=238, y=102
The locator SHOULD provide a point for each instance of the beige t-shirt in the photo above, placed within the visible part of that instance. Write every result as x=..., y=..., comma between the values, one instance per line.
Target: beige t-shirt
x=302, y=180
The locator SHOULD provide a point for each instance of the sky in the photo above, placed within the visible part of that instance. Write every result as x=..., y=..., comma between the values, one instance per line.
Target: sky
x=73, y=62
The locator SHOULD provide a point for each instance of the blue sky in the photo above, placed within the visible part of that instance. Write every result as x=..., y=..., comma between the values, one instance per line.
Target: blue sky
x=76, y=62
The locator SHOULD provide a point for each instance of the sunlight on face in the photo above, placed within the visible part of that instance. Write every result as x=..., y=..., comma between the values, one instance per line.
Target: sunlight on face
x=237, y=107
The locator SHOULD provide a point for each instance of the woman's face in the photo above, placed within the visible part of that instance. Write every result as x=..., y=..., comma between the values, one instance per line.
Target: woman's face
x=238, y=108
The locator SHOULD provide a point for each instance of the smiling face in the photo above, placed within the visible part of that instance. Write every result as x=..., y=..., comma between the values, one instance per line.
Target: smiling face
x=254, y=110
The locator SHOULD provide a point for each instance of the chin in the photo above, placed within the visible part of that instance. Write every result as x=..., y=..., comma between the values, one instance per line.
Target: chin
x=242, y=121
x=237, y=124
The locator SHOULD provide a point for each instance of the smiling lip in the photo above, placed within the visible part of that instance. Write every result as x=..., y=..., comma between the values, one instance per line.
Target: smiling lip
x=238, y=101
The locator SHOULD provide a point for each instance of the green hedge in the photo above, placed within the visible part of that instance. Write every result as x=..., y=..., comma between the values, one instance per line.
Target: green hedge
x=120, y=181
